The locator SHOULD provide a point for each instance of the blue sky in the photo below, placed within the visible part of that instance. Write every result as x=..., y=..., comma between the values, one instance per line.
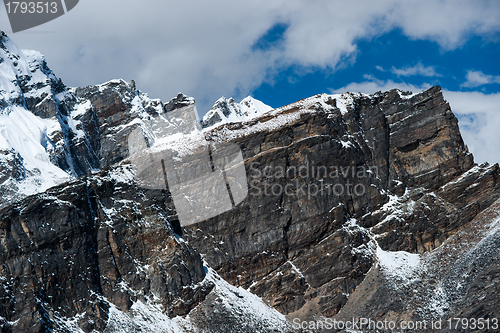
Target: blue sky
x=280, y=51
x=392, y=56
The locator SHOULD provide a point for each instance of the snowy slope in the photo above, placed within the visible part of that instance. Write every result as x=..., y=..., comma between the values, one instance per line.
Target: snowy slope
x=23, y=74
x=240, y=310
x=26, y=133
x=227, y=111
x=50, y=134
x=24, y=79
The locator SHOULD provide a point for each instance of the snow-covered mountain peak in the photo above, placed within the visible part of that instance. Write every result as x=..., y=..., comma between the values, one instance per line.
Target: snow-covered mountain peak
x=251, y=106
x=28, y=122
x=25, y=78
x=13, y=67
x=50, y=133
x=225, y=110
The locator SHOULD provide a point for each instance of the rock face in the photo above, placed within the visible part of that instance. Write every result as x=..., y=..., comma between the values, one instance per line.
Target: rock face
x=81, y=246
x=301, y=240
x=99, y=254
x=358, y=206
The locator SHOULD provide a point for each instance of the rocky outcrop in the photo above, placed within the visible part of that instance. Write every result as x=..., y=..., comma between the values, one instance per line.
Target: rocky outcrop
x=358, y=206
x=99, y=254
x=11, y=168
x=302, y=240
x=460, y=279
x=76, y=249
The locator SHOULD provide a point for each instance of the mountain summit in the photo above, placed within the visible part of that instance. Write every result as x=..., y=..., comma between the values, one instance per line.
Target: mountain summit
x=226, y=110
x=358, y=206
x=51, y=133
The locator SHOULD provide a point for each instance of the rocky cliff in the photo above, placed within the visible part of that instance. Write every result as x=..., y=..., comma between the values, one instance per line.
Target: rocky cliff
x=358, y=206
x=301, y=240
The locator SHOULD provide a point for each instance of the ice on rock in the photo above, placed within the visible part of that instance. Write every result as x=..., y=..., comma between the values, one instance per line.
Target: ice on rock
x=227, y=111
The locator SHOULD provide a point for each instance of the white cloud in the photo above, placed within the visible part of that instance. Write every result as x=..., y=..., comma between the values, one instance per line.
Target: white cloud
x=448, y=22
x=372, y=85
x=478, y=114
x=478, y=78
x=204, y=48
x=418, y=69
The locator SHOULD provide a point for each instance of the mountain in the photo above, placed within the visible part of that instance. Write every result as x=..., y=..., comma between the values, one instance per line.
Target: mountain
x=51, y=133
x=226, y=111
x=25, y=140
x=358, y=207
x=57, y=141
x=314, y=250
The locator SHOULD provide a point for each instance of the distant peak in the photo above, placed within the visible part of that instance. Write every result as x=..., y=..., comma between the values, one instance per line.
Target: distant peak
x=225, y=110
x=181, y=100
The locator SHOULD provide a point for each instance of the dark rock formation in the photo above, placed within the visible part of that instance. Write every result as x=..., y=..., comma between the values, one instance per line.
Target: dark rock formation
x=307, y=252
x=178, y=102
x=358, y=206
x=83, y=245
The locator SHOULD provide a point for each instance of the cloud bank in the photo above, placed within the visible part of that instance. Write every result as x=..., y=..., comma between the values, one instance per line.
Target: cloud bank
x=478, y=78
x=207, y=48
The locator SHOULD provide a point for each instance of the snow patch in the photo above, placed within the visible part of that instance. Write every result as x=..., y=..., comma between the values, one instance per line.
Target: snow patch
x=400, y=265
x=148, y=318
x=406, y=94
x=122, y=174
x=243, y=302
x=438, y=302
x=27, y=134
x=227, y=111
x=295, y=269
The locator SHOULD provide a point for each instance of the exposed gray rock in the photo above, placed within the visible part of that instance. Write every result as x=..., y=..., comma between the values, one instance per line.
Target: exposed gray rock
x=359, y=206
x=410, y=154
x=84, y=245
